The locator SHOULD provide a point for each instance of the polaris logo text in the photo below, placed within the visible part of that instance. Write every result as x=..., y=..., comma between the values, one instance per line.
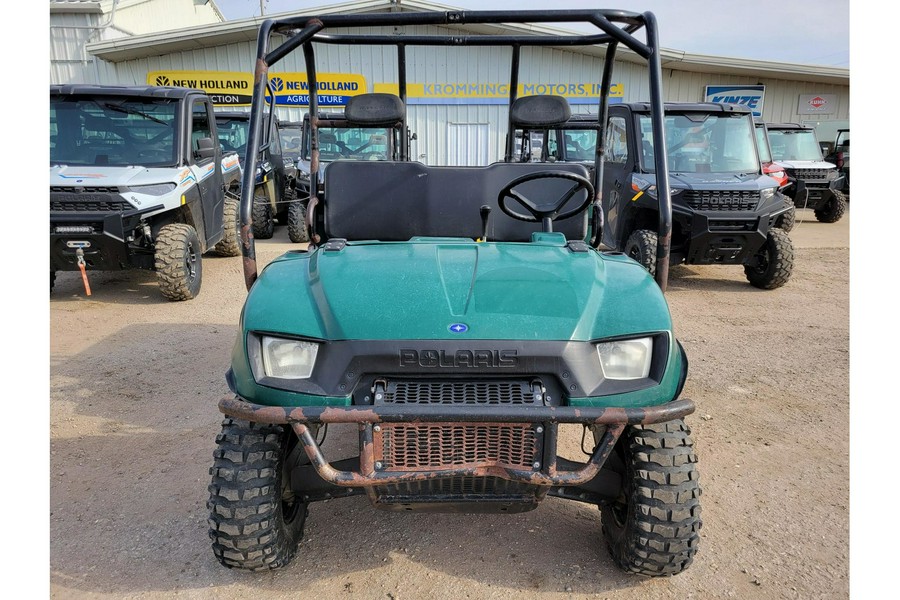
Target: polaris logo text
x=458, y=359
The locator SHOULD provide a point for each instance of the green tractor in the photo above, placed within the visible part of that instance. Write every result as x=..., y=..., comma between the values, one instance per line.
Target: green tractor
x=457, y=317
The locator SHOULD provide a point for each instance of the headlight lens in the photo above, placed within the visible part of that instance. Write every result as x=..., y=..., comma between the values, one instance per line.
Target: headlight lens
x=626, y=359
x=157, y=189
x=767, y=194
x=288, y=359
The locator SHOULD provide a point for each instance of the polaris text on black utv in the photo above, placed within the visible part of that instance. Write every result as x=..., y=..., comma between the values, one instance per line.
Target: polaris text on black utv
x=725, y=209
x=457, y=317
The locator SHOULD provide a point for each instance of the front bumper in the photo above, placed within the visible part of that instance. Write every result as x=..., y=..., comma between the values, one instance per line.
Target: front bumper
x=727, y=238
x=544, y=472
x=104, y=239
x=819, y=191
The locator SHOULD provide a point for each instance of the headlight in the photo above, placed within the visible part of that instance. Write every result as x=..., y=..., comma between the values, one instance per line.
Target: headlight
x=156, y=189
x=767, y=194
x=626, y=359
x=288, y=359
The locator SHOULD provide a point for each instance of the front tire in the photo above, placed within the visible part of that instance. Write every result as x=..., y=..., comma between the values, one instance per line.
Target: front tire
x=230, y=245
x=296, y=222
x=263, y=218
x=834, y=209
x=772, y=265
x=787, y=221
x=255, y=521
x=653, y=528
x=178, y=262
x=641, y=246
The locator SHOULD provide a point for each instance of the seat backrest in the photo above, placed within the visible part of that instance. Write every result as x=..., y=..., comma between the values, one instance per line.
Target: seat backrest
x=395, y=201
x=539, y=112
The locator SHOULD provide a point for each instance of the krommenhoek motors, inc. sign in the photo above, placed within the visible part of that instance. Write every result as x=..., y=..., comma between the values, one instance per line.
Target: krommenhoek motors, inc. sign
x=231, y=88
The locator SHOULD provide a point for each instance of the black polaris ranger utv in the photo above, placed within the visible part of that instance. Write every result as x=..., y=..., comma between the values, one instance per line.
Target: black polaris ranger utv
x=275, y=177
x=724, y=207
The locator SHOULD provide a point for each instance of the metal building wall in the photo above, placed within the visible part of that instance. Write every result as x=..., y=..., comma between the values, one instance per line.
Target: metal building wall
x=148, y=16
x=68, y=60
x=70, y=31
x=432, y=122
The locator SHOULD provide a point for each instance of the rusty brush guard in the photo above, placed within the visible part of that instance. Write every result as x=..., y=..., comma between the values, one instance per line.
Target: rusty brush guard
x=372, y=420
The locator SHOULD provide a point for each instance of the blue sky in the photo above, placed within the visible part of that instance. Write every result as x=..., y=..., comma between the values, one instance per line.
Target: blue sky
x=779, y=30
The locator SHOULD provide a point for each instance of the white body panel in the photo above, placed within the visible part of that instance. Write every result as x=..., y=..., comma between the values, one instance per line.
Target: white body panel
x=183, y=179
x=806, y=164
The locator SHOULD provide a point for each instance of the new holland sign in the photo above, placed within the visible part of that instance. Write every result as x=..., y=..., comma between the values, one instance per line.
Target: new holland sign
x=227, y=88
x=223, y=87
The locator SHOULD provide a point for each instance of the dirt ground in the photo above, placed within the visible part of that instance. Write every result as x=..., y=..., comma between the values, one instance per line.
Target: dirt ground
x=134, y=385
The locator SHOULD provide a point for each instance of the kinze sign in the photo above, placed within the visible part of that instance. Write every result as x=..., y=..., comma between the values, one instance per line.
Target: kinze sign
x=751, y=96
x=227, y=88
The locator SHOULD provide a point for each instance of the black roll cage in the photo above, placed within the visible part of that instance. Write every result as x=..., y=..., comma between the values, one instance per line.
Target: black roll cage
x=615, y=27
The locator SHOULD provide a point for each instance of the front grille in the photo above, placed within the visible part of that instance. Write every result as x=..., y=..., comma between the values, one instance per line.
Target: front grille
x=87, y=199
x=84, y=190
x=463, y=392
x=723, y=225
x=708, y=200
x=809, y=174
x=110, y=206
x=432, y=446
x=455, y=486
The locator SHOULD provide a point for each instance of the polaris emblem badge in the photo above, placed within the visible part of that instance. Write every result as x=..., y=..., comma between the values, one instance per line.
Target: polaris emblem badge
x=459, y=328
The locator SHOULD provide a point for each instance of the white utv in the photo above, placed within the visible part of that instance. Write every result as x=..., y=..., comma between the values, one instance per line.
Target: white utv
x=138, y=180
x=813, y=182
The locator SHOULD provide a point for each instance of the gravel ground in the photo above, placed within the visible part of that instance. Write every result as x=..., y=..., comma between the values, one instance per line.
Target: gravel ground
x=134, y=382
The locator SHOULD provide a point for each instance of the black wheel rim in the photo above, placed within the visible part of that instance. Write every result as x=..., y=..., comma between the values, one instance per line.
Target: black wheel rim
x=761, y=260
x=190, y=262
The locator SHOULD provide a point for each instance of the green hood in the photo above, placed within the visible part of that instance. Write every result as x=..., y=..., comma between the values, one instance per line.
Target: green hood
x=419, y=289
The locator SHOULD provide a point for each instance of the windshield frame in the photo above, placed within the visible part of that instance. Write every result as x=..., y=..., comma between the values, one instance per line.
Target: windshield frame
x=286, y=132
x=762, y=144
x=812, y=152
x=704, y=122
x=323, y=128
x=175, y=158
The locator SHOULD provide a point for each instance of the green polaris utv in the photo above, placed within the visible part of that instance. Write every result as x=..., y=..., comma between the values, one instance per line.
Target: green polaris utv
x=458, y=317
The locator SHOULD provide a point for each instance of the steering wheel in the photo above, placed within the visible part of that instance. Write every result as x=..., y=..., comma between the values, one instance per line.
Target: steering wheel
x=548, y=215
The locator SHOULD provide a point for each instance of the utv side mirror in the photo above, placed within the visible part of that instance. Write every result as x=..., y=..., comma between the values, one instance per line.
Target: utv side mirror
x=205, y=148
